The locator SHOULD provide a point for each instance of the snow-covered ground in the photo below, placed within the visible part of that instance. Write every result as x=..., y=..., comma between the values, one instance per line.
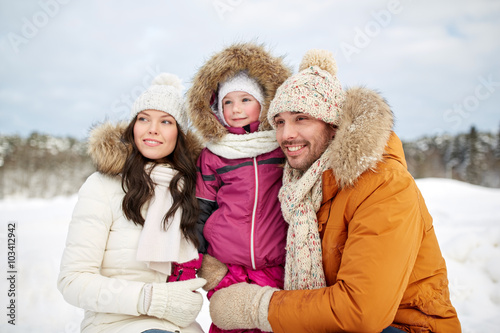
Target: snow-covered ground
x=466, y=219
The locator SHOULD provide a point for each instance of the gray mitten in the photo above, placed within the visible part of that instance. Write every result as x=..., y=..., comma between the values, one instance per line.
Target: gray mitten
x=241, y=306
x=177, y=302
x=212, y=270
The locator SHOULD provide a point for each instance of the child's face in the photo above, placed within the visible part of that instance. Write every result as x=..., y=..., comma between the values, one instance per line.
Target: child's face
x=240, y=108
x=155, y=134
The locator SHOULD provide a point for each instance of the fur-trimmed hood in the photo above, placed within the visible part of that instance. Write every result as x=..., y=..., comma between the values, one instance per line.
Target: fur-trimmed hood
x=109, y=153
x=362, y=137
x=270, y=72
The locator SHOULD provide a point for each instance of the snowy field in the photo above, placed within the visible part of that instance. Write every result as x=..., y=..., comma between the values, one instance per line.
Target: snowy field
x=466, y=219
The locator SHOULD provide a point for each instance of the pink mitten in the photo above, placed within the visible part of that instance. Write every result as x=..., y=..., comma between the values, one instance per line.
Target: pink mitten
x=185, y=271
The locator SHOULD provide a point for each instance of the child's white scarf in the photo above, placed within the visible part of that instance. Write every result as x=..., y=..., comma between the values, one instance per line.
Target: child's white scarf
x=233, y=146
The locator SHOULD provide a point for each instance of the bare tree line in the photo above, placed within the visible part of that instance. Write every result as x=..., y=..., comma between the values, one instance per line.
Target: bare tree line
x=43, y=166
x=471, y=157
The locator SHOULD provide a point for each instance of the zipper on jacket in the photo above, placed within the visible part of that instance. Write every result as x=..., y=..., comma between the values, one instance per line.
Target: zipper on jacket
x=252, y=236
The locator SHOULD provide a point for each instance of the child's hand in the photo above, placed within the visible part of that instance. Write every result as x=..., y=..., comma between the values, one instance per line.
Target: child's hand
x=213, y=271
x=185, y=271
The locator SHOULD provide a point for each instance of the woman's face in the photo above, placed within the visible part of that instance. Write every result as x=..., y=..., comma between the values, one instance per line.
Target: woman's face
x=155, y=134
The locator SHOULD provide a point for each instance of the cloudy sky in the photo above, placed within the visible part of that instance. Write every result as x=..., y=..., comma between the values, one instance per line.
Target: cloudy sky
x=67, y=64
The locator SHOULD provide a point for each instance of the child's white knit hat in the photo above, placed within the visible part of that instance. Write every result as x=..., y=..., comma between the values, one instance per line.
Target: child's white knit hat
x=239, y=82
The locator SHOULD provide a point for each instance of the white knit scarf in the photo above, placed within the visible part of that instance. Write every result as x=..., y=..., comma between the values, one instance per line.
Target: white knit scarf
x=159, y=247
x=300, y=197
x=233, y=146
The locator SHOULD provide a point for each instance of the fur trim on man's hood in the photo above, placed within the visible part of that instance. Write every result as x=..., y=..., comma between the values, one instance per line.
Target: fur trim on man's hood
x=269, y=71
x=109, y=153
x=362, y=136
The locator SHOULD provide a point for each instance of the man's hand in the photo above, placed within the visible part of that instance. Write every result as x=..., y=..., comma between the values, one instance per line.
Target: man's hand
x=241, y=306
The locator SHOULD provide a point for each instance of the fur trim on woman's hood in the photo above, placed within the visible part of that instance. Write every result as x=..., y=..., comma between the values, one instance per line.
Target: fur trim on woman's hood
x=362, y=136
x=269, y=71
x=109, y=153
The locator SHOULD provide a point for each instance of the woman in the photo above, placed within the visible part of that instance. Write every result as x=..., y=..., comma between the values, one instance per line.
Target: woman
x=134, y=219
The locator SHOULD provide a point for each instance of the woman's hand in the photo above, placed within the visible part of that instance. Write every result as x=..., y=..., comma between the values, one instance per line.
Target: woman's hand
x=177, y=302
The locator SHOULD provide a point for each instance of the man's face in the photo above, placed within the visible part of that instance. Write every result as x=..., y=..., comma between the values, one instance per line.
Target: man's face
x=302, y=138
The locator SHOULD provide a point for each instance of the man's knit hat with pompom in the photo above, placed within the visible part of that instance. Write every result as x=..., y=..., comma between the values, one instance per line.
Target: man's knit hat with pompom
x=315, y=90
x=164, y=94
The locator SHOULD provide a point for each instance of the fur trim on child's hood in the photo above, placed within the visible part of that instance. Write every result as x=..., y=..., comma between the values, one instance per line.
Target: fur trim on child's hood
x=269, y=71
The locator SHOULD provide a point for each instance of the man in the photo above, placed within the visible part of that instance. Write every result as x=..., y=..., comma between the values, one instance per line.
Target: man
x=362, y=255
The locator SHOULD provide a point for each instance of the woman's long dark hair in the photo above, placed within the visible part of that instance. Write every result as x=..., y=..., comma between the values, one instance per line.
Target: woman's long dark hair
x=139, y=187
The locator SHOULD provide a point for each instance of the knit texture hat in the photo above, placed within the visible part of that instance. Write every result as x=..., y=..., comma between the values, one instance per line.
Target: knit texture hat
x=239, y=82
x=315, y=90
x=164, y=94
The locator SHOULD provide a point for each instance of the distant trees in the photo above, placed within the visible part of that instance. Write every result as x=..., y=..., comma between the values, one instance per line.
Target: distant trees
x=42, y=166
x=470, y=157
x=497, y=148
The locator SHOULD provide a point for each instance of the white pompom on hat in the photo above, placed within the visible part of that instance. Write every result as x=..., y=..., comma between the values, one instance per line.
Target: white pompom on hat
x=164, y=94
x=240, y=82
x=314, y=90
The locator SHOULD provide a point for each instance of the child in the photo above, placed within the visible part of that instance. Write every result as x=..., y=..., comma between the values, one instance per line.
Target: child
x=240, y=170
x=134, y=218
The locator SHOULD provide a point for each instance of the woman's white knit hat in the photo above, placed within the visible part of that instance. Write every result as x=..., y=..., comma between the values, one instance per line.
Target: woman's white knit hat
x=314, y=90
x=164, y=94
x=239, y=82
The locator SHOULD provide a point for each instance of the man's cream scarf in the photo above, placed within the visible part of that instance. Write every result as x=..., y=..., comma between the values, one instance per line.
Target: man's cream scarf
x=300, y=197
x=159, y=247
x=233, y=146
